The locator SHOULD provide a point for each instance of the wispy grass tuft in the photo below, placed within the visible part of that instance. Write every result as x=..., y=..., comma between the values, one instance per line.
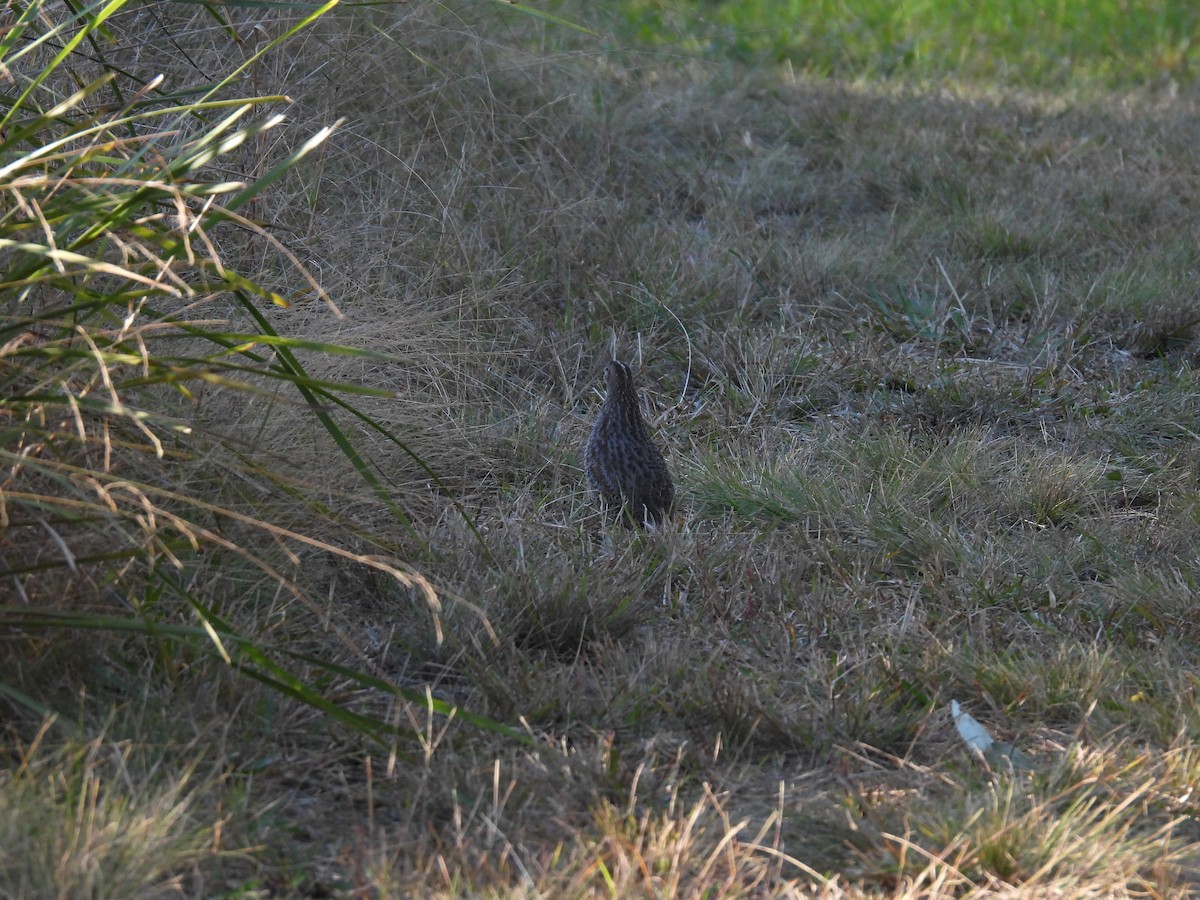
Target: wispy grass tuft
x=1095, y=819
x=96, y=820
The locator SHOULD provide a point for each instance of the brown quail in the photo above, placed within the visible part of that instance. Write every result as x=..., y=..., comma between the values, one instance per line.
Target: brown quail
x=621, y=462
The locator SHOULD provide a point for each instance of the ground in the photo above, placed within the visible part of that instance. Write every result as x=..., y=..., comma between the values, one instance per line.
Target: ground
x=922, y=356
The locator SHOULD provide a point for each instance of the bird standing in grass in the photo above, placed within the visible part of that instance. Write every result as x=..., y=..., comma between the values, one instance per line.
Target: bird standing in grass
x=621, y=462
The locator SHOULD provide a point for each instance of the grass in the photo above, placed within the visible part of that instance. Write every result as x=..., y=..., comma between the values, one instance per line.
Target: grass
x=301, y=601
x=1036, y=44
x=64, y=827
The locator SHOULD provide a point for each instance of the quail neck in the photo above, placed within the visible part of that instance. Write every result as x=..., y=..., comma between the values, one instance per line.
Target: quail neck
x=621, y=402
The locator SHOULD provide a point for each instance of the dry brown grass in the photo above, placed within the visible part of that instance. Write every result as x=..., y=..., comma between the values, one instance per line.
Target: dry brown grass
x=924, y=361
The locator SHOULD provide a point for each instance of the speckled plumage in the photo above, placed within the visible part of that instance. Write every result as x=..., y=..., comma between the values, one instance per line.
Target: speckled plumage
x=622, y=464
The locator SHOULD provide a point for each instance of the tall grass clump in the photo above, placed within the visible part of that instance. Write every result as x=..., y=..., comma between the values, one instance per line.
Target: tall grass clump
x=127, y=206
